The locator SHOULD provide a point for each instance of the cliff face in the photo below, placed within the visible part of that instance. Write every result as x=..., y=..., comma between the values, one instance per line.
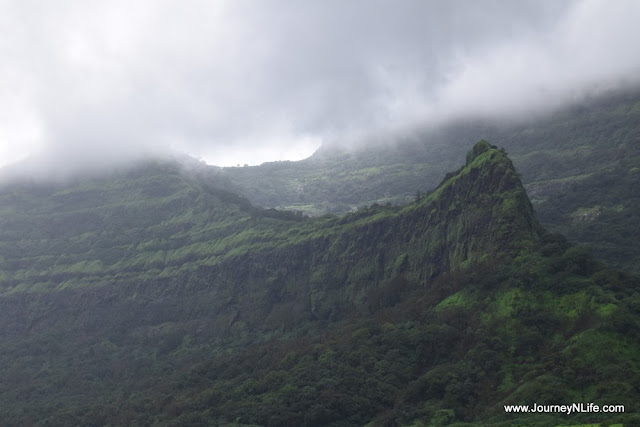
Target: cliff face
x=161, y=232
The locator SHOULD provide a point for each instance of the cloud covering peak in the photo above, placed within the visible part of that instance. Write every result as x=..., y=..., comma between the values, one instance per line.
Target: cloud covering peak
x=85, y=82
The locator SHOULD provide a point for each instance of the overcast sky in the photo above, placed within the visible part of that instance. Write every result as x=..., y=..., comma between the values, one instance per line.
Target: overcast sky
x=91, y=82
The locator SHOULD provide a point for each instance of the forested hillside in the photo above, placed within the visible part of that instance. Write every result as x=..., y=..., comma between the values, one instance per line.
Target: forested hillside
x=581, y=168
x=155, y=296
x=156, y=220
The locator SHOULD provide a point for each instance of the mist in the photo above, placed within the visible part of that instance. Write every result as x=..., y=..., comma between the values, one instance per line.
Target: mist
x=86, y=85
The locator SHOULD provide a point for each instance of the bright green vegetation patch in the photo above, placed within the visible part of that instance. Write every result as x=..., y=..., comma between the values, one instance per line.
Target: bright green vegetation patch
x=460, y=299
x=588, y=425
x=601, y=349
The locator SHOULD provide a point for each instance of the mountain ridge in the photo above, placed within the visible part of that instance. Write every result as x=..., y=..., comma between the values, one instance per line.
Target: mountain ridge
x=435, y=312
x=71, y=210
x=579, y=160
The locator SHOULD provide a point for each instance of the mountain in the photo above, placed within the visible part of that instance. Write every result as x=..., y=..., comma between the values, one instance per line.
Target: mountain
x=154, y=296
x=580, y=166
x=155, y=220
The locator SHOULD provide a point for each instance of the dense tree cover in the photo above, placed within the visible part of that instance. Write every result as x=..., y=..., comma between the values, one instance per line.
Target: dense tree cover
x=208, y=311
x=581, y=167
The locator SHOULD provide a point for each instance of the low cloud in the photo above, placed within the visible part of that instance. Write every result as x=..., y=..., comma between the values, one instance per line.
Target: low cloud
x=94, y=83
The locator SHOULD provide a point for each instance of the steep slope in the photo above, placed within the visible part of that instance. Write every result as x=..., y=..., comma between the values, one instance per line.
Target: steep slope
x=580, y=167
x=438, y=311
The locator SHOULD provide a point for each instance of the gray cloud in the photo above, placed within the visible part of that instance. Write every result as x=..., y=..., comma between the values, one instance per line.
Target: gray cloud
x=89, y=83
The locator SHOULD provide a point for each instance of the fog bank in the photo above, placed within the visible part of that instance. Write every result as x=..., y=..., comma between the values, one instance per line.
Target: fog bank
x=89, y=84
